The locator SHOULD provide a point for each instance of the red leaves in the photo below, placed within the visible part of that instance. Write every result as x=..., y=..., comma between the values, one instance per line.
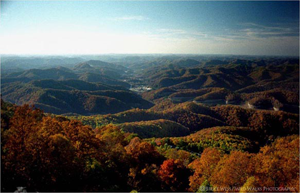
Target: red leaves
x=173, y=173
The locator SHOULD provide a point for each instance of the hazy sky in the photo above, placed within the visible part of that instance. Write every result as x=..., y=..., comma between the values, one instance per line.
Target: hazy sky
x=197, y=27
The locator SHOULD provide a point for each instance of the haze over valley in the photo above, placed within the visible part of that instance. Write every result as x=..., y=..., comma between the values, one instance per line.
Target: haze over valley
x=131, y=96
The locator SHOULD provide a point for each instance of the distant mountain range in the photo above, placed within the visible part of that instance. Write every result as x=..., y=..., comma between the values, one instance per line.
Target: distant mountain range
x=91, y=71
x=209, y=80
x=227, y=76
x=73, y=96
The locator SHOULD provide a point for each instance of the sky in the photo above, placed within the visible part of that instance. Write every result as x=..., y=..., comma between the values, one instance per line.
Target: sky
x=145, y=27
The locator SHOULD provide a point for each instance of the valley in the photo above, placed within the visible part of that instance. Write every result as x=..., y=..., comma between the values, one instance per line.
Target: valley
x=143, y=113
x=149, y=96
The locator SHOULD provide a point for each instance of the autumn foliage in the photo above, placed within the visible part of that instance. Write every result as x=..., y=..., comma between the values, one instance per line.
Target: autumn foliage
x=173, y=173
x=50, y=153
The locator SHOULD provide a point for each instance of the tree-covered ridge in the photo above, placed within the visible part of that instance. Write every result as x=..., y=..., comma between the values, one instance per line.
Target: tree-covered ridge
x=73, y=96
x=155, y=128
x=187, y=123
x=197, y=117
x=227, y=76
x=190, y=115
x=264, y=84
x=246, y=171
x=281, y=99
x=44, y=153
x=269, y=86
x=225, y=139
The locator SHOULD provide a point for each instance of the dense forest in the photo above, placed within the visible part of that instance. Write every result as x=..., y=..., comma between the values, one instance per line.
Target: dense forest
x=150, y=123
x=45, y=153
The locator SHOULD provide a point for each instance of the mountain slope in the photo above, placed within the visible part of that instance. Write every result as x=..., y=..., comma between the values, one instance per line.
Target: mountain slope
x=73, y=96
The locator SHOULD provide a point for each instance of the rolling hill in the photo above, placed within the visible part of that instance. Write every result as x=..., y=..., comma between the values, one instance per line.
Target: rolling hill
x=91, y=71
x=197, y=117
x=73, y=96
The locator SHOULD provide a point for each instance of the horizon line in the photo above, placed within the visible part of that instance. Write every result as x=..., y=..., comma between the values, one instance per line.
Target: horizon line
x=72, y=54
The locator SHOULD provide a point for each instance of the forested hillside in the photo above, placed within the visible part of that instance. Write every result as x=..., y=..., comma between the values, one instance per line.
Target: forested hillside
x=46, y=153
x=73, y=96
x=152, y=123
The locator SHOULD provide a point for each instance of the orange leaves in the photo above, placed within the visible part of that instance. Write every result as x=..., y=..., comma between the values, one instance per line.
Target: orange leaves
x=220, y=171
x=144, y=162
x=37, y=145
x=232, y=171
x=23, y=124
x=278, y=164
x=173, y=173
x=181, y=155
x=204, y=167
x=46, y=153
x=167, y=170
x=82, y=138
x=142, y=152
x=275, y=166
